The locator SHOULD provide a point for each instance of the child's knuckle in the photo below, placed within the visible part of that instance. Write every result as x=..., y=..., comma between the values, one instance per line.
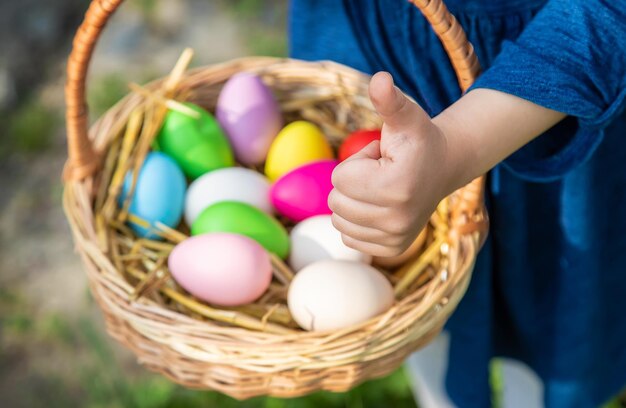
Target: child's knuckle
x=336, y=178
x=334, y=202
x=390, y=250
x=397, y=226
x=395, y=240
x=349, y=241
x=401, y=196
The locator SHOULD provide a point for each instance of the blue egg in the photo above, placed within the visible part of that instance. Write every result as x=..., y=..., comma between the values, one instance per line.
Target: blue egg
x=159, y=194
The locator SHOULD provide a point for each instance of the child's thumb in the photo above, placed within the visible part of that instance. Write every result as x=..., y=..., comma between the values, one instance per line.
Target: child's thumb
x=395, y=109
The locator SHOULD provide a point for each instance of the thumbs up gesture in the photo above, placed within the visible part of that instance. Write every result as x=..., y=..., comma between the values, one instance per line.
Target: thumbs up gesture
x=384, y=195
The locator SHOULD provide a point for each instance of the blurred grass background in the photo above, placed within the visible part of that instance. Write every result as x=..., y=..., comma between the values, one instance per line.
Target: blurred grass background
x=54, y=351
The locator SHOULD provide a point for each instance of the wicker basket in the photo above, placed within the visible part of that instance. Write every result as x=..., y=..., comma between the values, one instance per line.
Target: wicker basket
x=252, y=350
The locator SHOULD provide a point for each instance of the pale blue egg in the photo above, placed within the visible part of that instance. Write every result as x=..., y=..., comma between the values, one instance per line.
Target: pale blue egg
x=159, y=194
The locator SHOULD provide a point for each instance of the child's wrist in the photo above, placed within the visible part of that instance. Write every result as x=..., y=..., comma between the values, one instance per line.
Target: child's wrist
x=486, y=126
x=458, y=165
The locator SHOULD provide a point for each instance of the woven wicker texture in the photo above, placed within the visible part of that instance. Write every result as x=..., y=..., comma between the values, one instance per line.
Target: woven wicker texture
x=256, y=349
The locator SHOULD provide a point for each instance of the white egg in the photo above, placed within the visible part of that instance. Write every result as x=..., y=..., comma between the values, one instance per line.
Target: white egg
x=316, y=239
x=330, y=295
x=230, y=184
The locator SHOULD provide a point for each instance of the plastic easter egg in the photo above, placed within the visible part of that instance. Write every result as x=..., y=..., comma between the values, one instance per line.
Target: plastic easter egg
x=197, y=144
x=316, y=239
x=230, y=184
x=411, y=252
x=297, y=144
x=331, y=295
x=223, y=269
x=241, y=218
x=356, y=141
x=159, y=193
x=303, y=192
x=250, y=116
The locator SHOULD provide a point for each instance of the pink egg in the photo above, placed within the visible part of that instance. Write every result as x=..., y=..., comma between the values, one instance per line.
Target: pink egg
x=248, y=112
x=221, y=268
x=303, y=192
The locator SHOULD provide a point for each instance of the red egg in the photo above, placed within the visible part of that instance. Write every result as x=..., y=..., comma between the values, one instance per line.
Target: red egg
x=357, y=141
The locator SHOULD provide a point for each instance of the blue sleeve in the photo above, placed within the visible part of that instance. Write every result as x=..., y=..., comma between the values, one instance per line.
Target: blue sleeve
x=571, y=58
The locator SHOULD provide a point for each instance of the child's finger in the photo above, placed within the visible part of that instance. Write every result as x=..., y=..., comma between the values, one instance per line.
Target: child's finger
x=370, y=248
x=395, y=109
x=366, y=234
x=355, y=211
x=363, y=214
x=359, y=180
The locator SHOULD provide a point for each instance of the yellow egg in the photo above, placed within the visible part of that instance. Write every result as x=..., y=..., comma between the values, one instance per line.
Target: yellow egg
x=297, y=144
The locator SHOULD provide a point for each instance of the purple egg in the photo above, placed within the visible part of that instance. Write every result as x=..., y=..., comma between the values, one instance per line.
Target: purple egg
x=303, y=192
x=250, y=116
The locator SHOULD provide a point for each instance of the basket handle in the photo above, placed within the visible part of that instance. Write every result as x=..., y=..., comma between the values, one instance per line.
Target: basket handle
x=83, y=160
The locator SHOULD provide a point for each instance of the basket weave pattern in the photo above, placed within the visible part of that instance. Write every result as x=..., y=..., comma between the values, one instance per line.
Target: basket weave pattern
x=241, y=352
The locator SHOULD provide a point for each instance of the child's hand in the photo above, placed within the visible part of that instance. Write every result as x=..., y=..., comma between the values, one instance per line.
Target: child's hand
x=385, y=194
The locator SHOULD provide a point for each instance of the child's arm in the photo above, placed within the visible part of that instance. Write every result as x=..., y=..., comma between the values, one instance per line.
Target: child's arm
x=570, y=58
x=385, y=194
x=485, y=126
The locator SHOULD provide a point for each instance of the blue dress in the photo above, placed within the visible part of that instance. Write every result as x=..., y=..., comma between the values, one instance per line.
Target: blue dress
x=549, y=287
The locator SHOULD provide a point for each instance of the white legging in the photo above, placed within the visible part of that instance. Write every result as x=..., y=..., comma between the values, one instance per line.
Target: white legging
x=427, y=369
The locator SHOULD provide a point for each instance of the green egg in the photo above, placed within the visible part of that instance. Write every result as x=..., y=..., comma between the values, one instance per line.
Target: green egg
x=198, y=145
x=244, y=219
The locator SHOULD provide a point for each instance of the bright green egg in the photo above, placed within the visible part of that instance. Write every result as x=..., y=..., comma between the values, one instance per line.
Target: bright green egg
x=244, y=219
x=198, y=145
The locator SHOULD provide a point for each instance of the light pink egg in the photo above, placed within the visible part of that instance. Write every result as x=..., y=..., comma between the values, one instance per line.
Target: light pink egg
x=221, y=268
x=303, y=192
x=248, y=112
